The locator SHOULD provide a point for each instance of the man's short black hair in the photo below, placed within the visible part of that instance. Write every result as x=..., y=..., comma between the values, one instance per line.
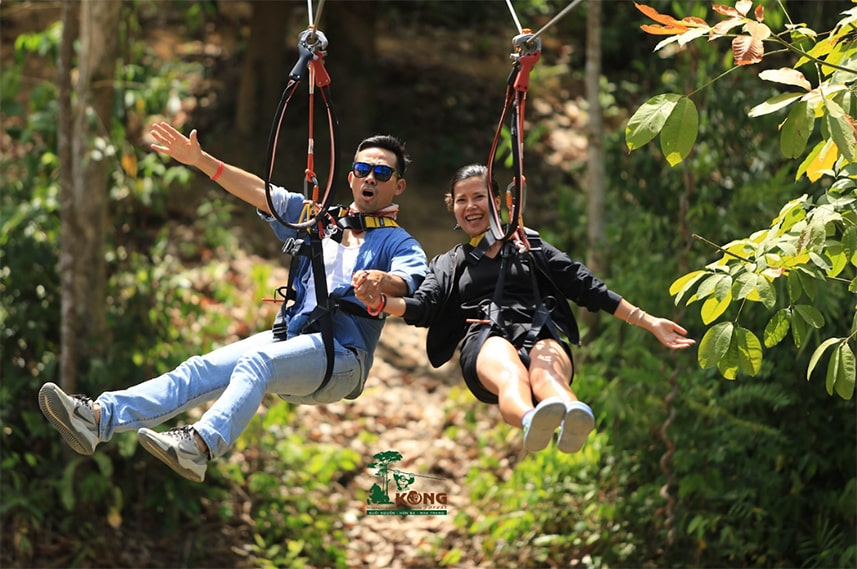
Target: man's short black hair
x=391, y=143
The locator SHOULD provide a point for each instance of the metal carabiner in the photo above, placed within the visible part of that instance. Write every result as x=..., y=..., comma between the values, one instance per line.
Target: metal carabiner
x=311, y=45
x=528, y=50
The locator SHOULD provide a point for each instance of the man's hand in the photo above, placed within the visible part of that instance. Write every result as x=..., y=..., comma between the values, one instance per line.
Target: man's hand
x=179, y=147
x=368, y=286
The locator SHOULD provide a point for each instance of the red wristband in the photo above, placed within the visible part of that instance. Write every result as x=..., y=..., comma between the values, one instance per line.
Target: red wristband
x=377, y=311
x=218, y=173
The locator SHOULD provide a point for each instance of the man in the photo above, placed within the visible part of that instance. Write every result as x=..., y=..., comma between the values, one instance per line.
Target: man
x=289, y=360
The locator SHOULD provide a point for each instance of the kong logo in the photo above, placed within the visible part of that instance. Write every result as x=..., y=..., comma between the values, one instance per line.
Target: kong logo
x=408, y=494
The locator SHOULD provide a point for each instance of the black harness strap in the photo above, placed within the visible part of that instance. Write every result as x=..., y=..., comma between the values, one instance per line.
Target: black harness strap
x=322, y=314
x=311, y=246
x=536, y=260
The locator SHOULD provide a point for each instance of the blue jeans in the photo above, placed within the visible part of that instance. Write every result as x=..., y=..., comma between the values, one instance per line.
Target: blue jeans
x=236, y=377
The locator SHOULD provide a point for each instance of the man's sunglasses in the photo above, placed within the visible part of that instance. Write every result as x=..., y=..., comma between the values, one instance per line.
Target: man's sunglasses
x=382, y=172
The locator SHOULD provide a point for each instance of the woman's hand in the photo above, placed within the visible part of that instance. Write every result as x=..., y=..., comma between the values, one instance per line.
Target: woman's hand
x=670, y=334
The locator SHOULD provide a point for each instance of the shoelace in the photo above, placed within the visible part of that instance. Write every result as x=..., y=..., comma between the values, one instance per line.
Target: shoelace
x=181, y=433
x=83, y=401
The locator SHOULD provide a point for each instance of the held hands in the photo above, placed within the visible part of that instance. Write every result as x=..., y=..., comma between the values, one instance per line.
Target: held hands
x=368, y=289
x=173, y=143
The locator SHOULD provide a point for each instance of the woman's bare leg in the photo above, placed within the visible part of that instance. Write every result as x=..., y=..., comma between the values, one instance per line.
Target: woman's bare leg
x=501, y=372
x=550, y=371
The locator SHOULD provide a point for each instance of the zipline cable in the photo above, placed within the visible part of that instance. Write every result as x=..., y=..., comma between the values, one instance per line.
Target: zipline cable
x=527, y=51
x=557, y=18
x=514, y=16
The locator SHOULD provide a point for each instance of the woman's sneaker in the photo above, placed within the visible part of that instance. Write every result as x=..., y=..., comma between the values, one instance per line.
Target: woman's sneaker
x=578, y=423
x=540, y=423
x=72, y=415
x=177, y=449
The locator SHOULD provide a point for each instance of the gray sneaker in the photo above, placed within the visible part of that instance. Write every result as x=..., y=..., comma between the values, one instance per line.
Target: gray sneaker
x=72, y=415
x=541, y=423
x=177, y=449
x=578, y=423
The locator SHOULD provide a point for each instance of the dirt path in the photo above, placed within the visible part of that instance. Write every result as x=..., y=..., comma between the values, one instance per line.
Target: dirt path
x=407, y=405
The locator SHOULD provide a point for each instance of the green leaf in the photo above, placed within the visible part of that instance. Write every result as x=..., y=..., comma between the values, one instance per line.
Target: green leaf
x=811, y=314
x=767, y=292
x=816, y=355
x=683, y=284
x=679, y=132
x=749, y=351
x=794, y=286
x=777, y=328
x=774, y=104
x=790, y=214
x=796, y=129
x=840, y=130
x=744, y=285
x=729, y=363
x=714, y=344
x=838, y=261
x=809, y=160
x=845, y=376
x=649, y=119
x=832, y=372
x=710, y=284
x=808, y=283
x=713, y=308
x=849, y=241
x=798, y=330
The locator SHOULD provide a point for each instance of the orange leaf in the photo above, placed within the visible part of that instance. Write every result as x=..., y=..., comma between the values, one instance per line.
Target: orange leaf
x=726, y=10
x=694, y=22
x=747, y=50
x=760, y=13
x=663, y=30
x=655, y=15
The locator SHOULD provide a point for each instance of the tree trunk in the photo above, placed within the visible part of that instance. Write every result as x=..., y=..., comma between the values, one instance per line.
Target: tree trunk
x=68, y=324
x=353, y=66
x=595, y=177
x=84, y=192
x=265, y=71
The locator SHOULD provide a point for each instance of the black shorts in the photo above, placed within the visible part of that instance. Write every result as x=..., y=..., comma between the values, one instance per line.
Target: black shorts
x=472, y=344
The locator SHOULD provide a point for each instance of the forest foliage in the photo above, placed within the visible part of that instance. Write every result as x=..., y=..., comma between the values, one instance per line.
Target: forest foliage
x=811, y=244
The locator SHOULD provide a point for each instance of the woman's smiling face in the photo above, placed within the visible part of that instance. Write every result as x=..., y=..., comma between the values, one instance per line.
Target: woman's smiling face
x=470, y=205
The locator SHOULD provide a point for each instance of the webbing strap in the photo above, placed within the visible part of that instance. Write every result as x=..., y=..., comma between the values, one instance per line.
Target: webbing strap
x=323, y=308
x=322, y=314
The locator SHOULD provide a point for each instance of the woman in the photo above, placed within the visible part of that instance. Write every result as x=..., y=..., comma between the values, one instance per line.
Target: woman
x=510, y=310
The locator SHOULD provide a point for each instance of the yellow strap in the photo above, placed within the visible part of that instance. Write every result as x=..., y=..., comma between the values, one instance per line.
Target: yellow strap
x=373, y=222
x=474, y=241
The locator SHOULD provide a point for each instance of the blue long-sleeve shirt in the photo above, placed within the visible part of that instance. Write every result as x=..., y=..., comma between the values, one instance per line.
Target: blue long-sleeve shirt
x=390, y=249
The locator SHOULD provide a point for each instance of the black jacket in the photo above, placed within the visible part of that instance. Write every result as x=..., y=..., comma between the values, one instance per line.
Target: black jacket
x=436, y=304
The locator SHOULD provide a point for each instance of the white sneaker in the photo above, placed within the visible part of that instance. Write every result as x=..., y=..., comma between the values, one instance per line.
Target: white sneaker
x=72, y=415
x=177, y=449
x=578, y=423
x=540, y=423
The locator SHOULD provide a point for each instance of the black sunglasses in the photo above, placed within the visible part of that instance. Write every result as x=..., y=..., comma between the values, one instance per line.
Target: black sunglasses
x=382, y=172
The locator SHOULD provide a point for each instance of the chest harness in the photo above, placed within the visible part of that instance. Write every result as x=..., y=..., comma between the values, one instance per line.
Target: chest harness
x=309, y=245
x=533, y=257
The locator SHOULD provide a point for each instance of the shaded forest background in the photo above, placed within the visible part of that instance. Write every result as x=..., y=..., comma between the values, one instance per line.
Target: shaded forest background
x=685, y=470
